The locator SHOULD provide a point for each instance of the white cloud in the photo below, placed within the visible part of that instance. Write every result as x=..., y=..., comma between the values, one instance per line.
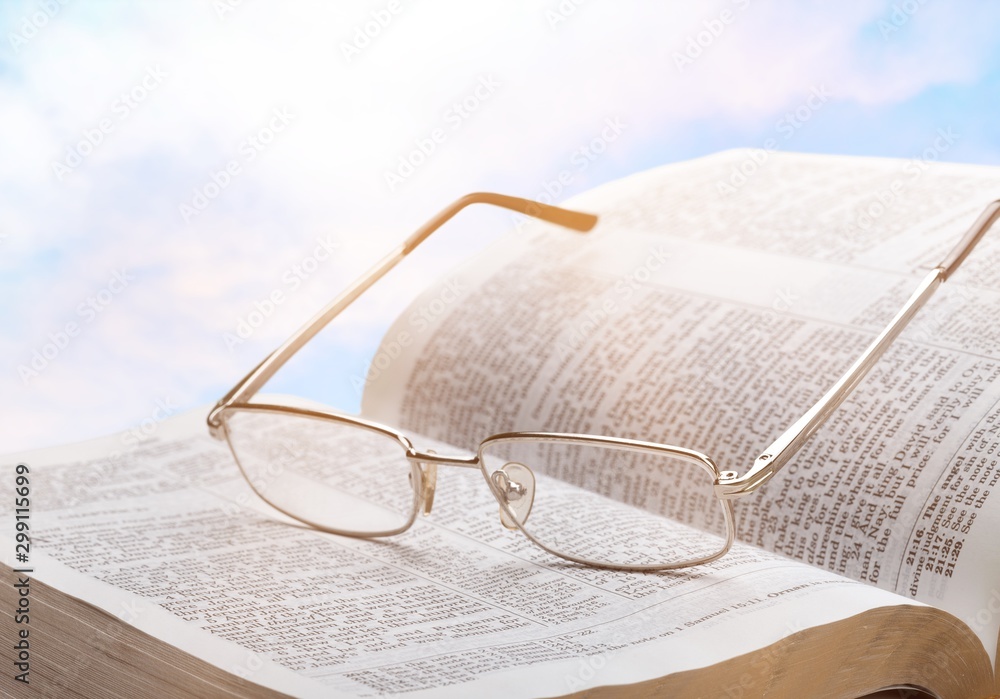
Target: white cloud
x=325, y=172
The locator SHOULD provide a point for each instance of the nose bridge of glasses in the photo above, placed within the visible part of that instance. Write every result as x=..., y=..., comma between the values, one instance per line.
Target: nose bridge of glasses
x=428, y=461
x=431, y=457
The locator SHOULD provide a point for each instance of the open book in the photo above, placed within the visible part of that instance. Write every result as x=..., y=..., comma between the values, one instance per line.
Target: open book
x=697, y=313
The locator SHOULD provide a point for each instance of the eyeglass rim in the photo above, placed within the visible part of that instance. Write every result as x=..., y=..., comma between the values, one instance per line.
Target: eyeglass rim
x=415, y=456
x=331, y=416
x=689, y=455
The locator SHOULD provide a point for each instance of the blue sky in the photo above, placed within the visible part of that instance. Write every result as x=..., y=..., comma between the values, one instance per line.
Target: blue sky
x=117, y=115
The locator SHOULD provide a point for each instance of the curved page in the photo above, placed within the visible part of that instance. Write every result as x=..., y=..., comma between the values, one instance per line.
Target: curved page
x=710, y=310
x=166, y=536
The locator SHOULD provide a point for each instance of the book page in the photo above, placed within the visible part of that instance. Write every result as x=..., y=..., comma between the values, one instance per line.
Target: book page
x=166, y=535
x=711, y=316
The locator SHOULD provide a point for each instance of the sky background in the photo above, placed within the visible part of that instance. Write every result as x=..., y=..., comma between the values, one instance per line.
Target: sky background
x=166, y=167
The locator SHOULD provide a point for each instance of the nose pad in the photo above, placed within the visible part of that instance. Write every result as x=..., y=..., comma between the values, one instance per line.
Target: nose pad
x=516, y=485
x=429, y=473
x=428, y=481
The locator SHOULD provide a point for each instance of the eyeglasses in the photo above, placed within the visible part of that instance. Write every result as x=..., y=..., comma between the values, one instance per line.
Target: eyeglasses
x=595, y=500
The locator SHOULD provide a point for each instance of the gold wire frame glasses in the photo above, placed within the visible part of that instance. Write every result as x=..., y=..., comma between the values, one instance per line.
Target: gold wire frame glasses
x=566, y=493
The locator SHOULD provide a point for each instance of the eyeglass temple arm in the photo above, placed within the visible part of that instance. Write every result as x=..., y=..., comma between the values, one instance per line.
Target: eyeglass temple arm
x=772, y=459
x=253, y=381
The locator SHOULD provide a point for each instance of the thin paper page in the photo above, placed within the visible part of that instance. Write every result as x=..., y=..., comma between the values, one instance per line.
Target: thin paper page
x=169, y=532
x=712, y=320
